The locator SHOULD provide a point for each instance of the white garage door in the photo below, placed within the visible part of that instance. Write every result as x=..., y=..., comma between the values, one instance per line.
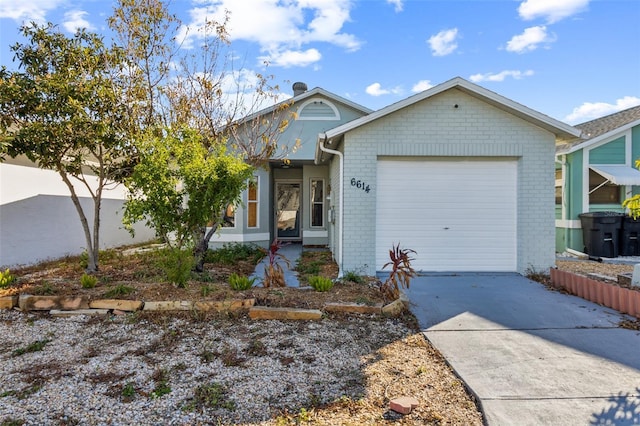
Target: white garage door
x=457, y=215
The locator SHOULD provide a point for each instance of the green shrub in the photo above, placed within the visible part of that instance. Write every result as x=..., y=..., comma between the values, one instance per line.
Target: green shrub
x=353, y=276
x=308, y=268
x=88, y=281
x=6, y=278
x=232, y=252
x=84, y=260
x=206, y=290
x=129, y=391
x=213, y=396
x=177, y=265
x=36, y=346
x=240, y=282
x=319, y=283
x=161, y=377
x=119, y=290
x=45, y=289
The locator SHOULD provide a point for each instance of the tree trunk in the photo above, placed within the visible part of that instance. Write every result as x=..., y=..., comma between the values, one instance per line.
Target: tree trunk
x=97, y=205
x=92, y=261
x=202, y=244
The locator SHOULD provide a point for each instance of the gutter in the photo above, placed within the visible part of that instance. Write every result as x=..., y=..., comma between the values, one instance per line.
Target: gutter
x=322, y=138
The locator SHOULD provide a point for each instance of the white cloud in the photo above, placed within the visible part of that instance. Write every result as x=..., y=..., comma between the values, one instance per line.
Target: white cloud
x=74, y=20
x=293, y=58
x=280, y=28
x=444, y=42
x=530, y=39
x=398, y=6
x=501, y=76
x=421, y=86
x=592, y=110
x=376, y=89
x=26, y=11
x=551, y=10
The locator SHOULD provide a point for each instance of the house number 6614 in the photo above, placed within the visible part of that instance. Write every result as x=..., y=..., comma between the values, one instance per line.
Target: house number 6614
x=360, y=185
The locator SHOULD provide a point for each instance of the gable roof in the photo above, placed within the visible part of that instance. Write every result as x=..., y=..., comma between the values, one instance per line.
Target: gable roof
x=601, y=128
x=303, y=96
x=560, y=129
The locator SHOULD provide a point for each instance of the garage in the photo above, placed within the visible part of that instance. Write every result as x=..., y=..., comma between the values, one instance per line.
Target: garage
x=457, y=214
x=458, y=173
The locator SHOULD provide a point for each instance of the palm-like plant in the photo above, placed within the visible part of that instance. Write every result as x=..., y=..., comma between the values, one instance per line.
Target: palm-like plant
x=273, y=272
x=401, y=272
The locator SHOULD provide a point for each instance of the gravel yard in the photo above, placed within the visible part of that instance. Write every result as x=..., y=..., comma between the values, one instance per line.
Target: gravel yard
x=189, y=369
x=181, y=370
x=585, y=267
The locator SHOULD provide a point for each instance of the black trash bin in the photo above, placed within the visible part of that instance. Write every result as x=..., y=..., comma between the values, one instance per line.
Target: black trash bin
x=629, y=237
x=601, y=233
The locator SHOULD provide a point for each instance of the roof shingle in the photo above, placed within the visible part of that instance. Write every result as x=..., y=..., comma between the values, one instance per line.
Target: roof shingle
x=602, y=125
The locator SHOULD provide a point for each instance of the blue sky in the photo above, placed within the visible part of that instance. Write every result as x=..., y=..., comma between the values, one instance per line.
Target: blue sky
x=573, y=60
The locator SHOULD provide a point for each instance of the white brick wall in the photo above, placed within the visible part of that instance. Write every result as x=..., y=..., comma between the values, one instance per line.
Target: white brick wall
x=434, y=128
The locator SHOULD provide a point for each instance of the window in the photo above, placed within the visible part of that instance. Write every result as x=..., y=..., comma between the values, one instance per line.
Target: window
x=229, y=217
x=558, y=186
x=317, y=202
x=606, y=193
x=252, y=204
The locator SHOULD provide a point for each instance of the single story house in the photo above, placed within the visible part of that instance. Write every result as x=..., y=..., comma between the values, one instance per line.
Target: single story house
x=596, y=173
x=38, y=220
x=458, y=173
x=290, y=199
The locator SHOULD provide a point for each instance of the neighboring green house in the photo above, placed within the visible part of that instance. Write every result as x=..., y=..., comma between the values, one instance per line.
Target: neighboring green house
x=596, y=173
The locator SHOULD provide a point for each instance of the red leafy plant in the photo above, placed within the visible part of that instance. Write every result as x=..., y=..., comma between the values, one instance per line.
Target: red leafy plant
x=400, y=274
x=273, y=271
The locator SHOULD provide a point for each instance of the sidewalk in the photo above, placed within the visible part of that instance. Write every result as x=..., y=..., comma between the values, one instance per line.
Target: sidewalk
x=532, y=356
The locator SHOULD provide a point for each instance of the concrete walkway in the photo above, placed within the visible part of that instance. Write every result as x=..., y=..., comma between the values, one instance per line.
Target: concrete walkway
x=532, y=356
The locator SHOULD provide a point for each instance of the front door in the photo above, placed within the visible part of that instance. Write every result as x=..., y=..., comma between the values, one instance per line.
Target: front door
x=288, y=195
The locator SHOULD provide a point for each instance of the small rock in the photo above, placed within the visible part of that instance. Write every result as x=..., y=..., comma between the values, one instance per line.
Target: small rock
x=8, y=302
x=394, y=308
x=169, y=305
x=263, y=312
x=122, y=305
x=403, y=405
x=77, y=312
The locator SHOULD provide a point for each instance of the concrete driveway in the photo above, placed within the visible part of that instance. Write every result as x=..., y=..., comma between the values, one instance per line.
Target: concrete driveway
x=532, y=356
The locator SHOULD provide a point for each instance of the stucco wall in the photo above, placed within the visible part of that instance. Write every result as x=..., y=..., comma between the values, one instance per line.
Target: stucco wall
x=38, y=220
x=434, y=128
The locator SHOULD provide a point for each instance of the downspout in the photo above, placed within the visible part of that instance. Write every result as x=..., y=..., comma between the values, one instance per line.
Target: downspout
x=562, y=160
x=322, y=139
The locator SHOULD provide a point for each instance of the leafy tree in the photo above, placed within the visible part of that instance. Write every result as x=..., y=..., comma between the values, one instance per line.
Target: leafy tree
x=146, y=31
x=167, y=93
x=61, y=111
x=633, y=203
x=179, y=186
